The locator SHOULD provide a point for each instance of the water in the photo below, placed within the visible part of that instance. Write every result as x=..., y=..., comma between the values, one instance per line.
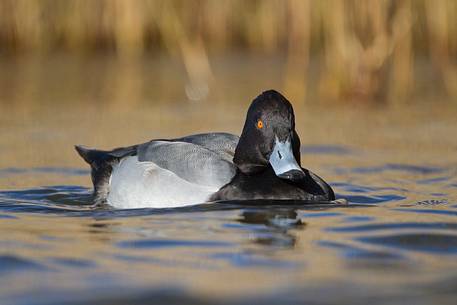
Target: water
x=390, y=243
x=394, y=243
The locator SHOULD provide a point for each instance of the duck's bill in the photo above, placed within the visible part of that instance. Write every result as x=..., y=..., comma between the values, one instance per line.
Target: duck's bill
x=283, y=161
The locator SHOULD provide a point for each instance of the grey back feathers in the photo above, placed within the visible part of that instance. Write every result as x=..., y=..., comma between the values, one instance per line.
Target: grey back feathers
x=203, y=159
x=218, y=142
x=191, y=162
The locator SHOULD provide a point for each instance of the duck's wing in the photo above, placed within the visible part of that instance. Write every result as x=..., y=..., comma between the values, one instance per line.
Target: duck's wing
x=191, y=162
x=221, y=143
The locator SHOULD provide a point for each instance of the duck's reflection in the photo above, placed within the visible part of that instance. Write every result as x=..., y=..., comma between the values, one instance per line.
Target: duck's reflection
x=277, y=226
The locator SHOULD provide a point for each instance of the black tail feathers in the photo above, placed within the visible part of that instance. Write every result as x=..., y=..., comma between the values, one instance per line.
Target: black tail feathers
x=95, y=158
x=85, y=153
x=101, y=163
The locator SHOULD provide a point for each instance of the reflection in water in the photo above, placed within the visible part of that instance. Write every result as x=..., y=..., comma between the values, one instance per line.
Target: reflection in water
x=278, y=223
x=102, y=230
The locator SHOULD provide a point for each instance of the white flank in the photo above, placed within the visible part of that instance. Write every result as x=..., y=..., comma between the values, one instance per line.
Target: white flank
x=135, y=184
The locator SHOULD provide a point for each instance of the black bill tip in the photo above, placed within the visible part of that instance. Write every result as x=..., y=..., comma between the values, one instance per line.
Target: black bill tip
x=293, y=175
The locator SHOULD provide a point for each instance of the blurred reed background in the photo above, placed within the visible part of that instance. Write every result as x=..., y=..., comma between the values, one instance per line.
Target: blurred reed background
x=379, y=51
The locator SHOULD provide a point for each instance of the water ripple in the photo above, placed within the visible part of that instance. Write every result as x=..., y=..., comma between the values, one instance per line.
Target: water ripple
x=72, y=262
x=396, y=226
x=171, y=243
x=424, y=170
x=67, y=171
x=353, y=252
x=9, y=263
x=444, y=244
x=249, y=260
x=428, y=211
x=373, y=199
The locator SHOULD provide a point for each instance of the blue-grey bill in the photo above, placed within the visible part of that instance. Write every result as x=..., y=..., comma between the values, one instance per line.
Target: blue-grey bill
x=282, y=158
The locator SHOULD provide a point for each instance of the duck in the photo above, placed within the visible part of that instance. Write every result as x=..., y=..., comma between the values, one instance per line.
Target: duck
x=262, y=163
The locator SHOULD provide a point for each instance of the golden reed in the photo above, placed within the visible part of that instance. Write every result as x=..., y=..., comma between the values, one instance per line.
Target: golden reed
x=367, y=49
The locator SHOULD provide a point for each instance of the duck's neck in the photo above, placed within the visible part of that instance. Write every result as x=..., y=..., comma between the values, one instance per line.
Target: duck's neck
x=248, y=157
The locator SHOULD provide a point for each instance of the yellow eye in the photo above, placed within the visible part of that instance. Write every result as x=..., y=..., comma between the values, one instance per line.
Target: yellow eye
x=259, y=124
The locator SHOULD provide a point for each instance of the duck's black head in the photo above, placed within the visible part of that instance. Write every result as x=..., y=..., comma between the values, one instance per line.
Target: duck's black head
x=269, y=138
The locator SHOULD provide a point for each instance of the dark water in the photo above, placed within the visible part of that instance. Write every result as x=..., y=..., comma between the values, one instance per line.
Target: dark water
x=394, y=243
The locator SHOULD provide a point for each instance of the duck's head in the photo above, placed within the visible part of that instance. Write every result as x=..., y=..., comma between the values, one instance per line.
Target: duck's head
x=269, y=138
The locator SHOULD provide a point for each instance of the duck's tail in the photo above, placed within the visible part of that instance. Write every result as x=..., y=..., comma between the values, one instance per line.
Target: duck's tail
x=86, y=153
x=101, y=164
